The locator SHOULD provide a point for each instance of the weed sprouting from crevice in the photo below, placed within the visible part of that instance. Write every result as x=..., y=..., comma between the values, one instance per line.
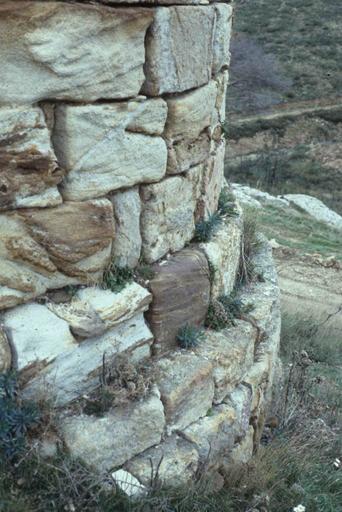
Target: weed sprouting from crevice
x=189, y=336
x=206, y=228
x=115, y=278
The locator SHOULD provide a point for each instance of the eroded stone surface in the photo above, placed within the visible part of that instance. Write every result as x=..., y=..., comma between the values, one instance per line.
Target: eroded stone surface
x=107, y=442
x=214, y=435
x=47, y=248
x=127, y=210
x=70, y=51
x=101, y=148
x=222, y=34
x=28, y=168
x=92, y=311
x=241, y=401
x=186, y=386
x=176, y=459
x=172, y=37
x=167, y=218
x=5, y=352
x=175, y=284
x=37, y=336
x=231, y=352
x=76, y=372
x=186, y=130
x=223, y=252
x=213, y=179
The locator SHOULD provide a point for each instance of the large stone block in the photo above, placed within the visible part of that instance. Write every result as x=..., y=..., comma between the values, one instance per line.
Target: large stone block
x=37, y=336
x=176, y=460
x=29, y=173
x=186, y=130
x=76, y=372
x=214, y=435
x=176, y=33
x=181, y=293
x=222, y=34
x=93, y=311
x=127, y=210
x=47, y=248
x=231, y=352
x=223, y=252
x=70, y=51
x=106, y=443
x=186, y=388
x=104, y=147
x=167, y=218
x=213, y=179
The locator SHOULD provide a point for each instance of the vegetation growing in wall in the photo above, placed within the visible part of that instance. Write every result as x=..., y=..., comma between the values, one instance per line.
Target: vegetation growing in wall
x=224, y=310
x=115, y=278
x=249, y=246
x=205, y=229
x=189, y=336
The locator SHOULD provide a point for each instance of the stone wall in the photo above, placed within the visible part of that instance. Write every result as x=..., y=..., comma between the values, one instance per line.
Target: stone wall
x=111, y=152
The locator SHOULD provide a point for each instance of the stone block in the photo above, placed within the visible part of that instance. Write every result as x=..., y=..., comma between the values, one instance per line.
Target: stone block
x=167, y=218
x=186, y=131
x=29, y=173
x=70, y=51
x=222, y=34
x=76, y=372
x=93, y=311
x=5, y=352
x=214, y=435
x=176, y=459
x=213, y=179
x=127, y=210
x=104, y=147
x=38, y=336
x=223, y=252
x=109, y=441
x=173, y=36
x=240, y=399
x=186, y=388
x=176, y=284
x=231, y=352
x=48, y=248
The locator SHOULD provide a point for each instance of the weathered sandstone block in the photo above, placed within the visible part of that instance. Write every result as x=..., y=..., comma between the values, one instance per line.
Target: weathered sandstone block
x=186, y=387
x=28, y=168
x=76, y=372
x=223, y=252
x=176, y=33
x=231, y=352
x=70, y=51
x=213, y=435
x=123, y=432
x=127, y=210
x=181, y=293
x=213, y=179
x=100, y=147
x=167, y=218
x=222, y=34
x=186, y=130
x=93, y=311
x=176, y=459
x=37, y=336
x=241, y=401
x=47, y=248
x=5, y=352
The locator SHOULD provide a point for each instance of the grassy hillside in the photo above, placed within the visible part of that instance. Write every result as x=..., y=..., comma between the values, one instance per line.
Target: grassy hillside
x=304, y=36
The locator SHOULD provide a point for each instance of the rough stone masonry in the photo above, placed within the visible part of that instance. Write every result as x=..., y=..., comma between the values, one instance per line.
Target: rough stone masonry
x=111, y=150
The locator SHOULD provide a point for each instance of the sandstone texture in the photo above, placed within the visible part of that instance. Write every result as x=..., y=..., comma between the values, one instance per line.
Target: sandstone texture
x=47, y=248
x=29, y=172
x=176, y=282
x=70, y=51
x=223, y=252
x=5, y=352
x=166, y=223
x=170, y=41
x=123, y=432
x=109, y=146
x=176, y=458
x=186, y=388
x=127, y=209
